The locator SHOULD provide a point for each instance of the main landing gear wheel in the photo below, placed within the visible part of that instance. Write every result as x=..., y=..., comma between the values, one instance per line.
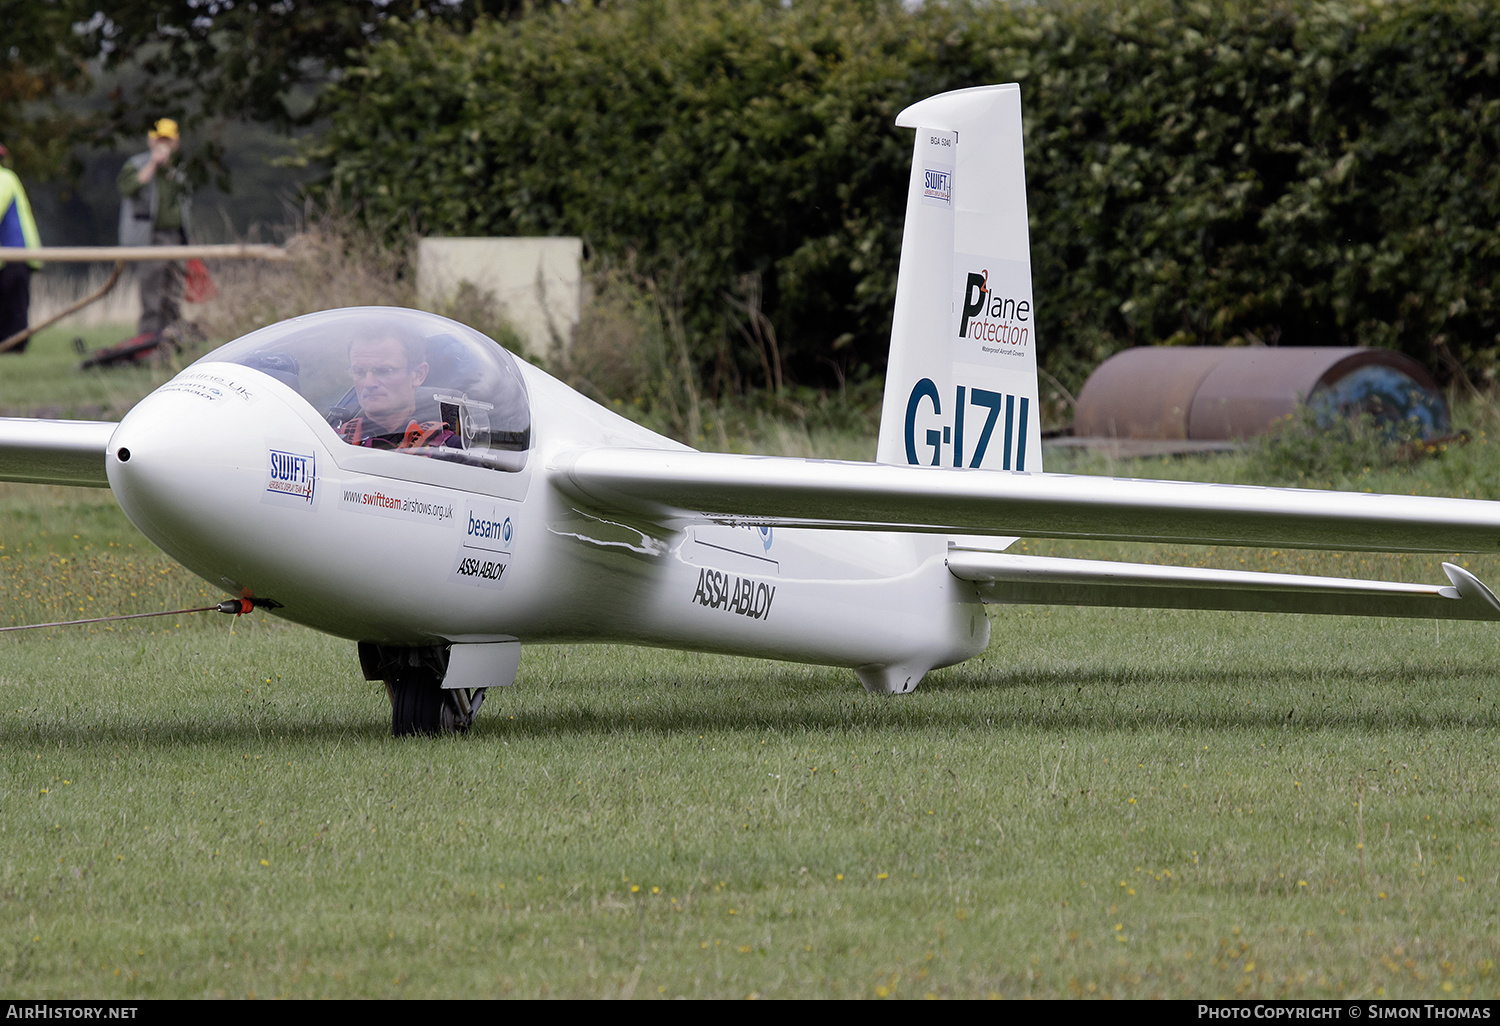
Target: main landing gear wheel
x=413, y=677
x=420, y=707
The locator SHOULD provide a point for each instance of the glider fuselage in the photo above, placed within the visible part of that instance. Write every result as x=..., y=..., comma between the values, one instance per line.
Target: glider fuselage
x=240, y=479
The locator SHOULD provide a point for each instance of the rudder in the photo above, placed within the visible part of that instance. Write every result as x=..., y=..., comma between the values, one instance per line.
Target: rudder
x=961, y=385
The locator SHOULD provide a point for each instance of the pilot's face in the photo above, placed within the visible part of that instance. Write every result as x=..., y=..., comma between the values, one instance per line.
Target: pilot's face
x=384, y=381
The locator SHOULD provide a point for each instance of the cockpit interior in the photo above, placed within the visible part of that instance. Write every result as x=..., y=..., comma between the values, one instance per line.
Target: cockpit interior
x=390, y=378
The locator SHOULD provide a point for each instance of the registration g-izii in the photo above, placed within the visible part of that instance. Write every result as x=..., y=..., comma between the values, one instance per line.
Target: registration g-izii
x=400, y=480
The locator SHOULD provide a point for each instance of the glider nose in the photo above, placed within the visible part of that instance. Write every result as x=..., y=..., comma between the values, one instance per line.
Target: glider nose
x=183, y=465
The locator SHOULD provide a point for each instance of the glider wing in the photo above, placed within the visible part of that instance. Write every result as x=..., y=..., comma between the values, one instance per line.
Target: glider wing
x=62, y=452
x=663, y=485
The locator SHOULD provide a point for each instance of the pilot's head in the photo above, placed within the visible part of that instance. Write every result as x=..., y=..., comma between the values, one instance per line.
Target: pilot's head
x=386, y=370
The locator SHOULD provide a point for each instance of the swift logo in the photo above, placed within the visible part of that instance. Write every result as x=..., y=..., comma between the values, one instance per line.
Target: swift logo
x=291, y=473
x=937, y=184
x=936, y=150
x=1015, y=409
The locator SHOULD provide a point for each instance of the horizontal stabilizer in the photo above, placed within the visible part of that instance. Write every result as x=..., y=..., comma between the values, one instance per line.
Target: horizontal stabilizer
x=61, y=452
x=1041, y=580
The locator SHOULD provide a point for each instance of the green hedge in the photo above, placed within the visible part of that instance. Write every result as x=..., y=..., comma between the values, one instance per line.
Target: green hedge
x=1204, y=173
x=1302, y=173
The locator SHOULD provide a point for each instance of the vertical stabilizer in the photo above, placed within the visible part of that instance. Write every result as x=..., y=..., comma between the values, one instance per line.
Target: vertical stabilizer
x=961, y=387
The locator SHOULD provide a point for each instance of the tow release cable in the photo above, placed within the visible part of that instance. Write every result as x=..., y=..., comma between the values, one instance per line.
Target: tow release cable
x=235, y=607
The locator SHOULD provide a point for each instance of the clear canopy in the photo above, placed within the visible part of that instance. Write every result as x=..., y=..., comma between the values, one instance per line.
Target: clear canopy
x=389, y=378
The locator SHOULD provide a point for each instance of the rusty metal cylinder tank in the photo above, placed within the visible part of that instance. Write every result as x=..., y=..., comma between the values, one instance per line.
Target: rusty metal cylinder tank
x=1207, y=393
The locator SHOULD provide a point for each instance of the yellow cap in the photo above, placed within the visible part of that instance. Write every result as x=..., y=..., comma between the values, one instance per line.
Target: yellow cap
x=166, y=128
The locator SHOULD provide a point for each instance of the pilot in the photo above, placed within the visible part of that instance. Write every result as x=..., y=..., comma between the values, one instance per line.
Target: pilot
x=387, y=372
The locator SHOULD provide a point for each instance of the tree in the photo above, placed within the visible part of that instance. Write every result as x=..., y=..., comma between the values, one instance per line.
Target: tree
x=254, y=59
x=42, y=62
x=258, y=60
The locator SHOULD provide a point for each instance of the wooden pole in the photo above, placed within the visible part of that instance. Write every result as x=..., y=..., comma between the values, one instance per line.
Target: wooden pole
x=120, y=256
x=22, y=336
x=111, y=254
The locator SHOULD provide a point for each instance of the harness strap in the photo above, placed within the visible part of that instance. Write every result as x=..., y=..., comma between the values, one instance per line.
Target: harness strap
x=418, y=435
x=415, y=437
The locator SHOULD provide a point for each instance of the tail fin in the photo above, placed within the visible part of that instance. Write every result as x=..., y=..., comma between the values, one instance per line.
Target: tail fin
x=961, y=388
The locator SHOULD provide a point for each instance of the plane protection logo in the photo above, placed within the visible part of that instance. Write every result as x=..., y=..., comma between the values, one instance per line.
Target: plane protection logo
x=292, y=475
x=992, y=308
x=981, y=428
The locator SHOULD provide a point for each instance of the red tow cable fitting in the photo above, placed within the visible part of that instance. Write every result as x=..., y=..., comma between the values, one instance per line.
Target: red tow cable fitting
x=236, y=607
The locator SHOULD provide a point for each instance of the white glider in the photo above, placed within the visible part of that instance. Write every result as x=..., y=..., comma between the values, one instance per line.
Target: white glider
x=511, y=509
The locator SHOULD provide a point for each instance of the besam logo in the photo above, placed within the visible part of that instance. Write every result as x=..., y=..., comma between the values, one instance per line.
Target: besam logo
x=488, y=528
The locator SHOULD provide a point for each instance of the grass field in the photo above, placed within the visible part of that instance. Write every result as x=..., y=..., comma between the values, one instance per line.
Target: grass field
x=1114, y=804
x=45, y=379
